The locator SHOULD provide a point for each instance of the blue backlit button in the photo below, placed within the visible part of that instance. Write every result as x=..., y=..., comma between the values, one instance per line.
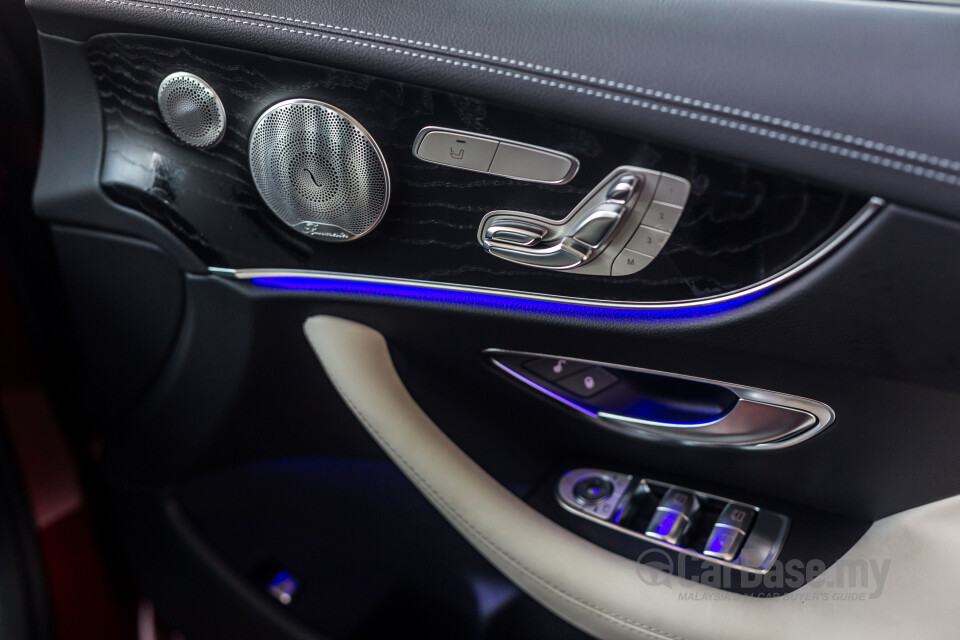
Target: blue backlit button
x=593, y=490
x=724, y=542
x=667, y=525
x=554, y=368
x=729, y=532
x=588, y=382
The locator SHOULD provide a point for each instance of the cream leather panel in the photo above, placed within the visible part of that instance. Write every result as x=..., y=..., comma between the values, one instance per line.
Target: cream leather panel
x=601, y=592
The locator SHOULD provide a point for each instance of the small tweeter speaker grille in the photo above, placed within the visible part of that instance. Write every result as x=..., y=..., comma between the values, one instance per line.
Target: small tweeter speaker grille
x=192, y=110
x=319, y=170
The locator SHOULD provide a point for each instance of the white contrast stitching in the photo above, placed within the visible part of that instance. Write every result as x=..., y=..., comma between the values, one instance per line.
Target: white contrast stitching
x=848, y=139
x=800, y=140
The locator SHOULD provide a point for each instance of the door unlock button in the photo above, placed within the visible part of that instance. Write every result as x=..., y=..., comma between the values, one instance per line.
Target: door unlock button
x=588, y=382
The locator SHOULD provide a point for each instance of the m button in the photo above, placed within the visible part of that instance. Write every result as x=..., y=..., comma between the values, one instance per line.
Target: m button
x=629, y=262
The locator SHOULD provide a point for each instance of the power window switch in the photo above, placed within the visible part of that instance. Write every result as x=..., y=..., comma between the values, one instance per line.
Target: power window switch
x=681, y=501
x=673, y=516
x=588, y=382
x=668, y=525
x=737, y=516
x=729, y=532
x=724, y=542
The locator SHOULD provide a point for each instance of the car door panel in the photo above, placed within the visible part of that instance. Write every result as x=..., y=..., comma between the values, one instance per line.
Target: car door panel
x=814, y=258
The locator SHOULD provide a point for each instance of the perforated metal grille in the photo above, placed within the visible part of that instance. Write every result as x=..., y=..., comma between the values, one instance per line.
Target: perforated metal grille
x=191, y=109
x=315, y=167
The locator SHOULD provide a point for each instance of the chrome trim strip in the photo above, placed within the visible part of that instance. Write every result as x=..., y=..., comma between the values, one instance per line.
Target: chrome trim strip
x=857, y=222
x=822, y=413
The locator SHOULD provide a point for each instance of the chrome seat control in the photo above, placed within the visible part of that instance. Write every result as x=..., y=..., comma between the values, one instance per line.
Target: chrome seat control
x=595, y=228
x=623, y=188
x=516, y=232
x=742, y=536
x=564, y=255
x=493, y=155
x=612, y=219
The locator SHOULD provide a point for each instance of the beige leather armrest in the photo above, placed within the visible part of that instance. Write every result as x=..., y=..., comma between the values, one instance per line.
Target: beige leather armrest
x=601, y=592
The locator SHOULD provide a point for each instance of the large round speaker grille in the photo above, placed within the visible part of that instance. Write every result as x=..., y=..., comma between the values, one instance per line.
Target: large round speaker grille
x=319, y=170
x=191, y=109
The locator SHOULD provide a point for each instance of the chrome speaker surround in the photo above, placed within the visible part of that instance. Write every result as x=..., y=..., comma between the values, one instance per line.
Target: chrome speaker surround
x=319, y=170
x=192, y=110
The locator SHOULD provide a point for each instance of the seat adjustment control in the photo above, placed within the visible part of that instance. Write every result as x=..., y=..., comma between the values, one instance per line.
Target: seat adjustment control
x=619, y=221
x=516, y=232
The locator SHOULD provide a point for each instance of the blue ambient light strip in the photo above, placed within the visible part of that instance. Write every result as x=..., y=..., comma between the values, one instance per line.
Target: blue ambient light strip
x=336, y=286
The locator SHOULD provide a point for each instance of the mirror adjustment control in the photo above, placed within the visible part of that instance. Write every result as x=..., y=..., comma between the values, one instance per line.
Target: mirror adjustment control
x=594, y=492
